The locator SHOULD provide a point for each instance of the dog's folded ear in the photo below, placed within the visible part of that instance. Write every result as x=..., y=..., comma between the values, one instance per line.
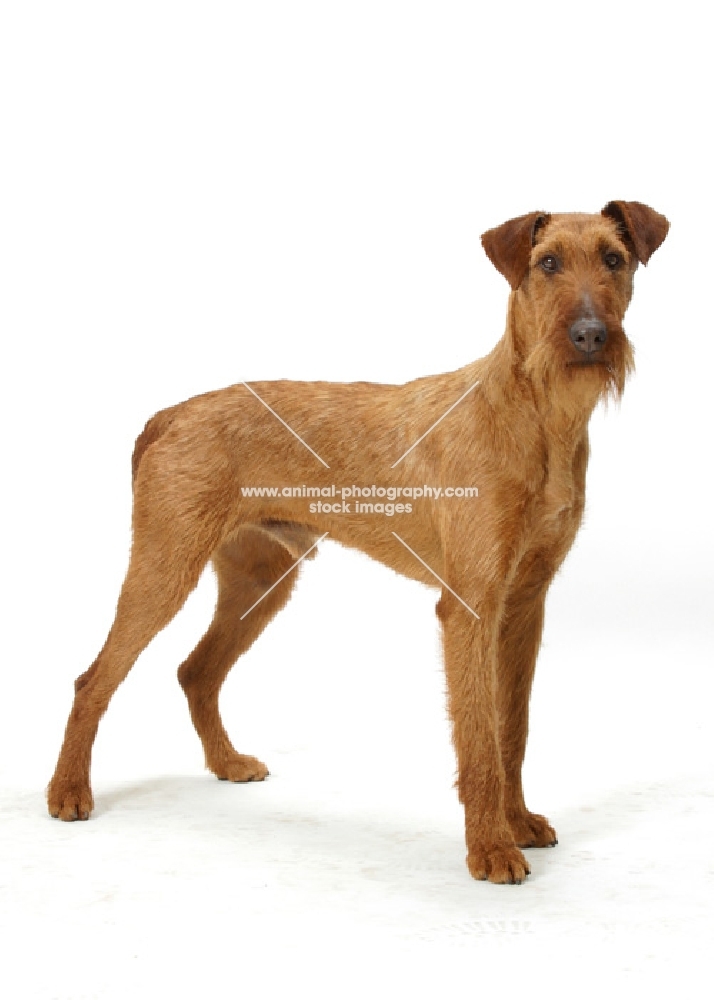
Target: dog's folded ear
x=643, y=228
x=509, y=246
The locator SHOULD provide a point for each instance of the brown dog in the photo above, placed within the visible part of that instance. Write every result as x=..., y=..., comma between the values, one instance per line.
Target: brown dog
x=513, y=424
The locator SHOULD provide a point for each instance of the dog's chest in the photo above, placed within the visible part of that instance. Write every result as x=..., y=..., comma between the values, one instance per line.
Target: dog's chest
x=557, y=504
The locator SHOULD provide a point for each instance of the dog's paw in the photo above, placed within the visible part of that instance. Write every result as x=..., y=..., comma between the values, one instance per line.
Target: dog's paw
x=69, y=801
x=499, y=863
x=241, y=768
x=531, y=830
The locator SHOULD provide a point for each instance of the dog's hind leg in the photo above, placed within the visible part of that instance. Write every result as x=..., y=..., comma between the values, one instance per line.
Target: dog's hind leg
x=247, y=567
x=174, y=537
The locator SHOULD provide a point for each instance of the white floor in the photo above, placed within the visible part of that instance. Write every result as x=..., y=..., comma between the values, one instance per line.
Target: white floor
x=343, y=874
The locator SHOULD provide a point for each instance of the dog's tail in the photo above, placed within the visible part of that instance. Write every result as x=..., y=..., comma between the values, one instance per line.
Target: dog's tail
x=155, y=428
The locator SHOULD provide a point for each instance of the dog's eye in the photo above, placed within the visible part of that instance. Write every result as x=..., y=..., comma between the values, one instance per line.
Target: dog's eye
x=549, y=264
x=612, y=261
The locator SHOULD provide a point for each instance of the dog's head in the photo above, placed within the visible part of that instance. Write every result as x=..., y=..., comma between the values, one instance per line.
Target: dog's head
x=571, y=277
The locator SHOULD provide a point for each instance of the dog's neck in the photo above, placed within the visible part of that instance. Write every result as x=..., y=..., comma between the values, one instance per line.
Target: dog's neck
x=555, y=401
x=538, y=424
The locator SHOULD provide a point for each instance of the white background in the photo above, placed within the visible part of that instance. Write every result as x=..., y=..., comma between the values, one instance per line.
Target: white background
x=193, y=194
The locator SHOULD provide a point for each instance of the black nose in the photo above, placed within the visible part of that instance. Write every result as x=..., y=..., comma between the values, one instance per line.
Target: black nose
x=588, y=334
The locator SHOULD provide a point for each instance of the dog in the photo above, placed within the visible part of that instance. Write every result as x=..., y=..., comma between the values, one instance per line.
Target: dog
x=511, y=427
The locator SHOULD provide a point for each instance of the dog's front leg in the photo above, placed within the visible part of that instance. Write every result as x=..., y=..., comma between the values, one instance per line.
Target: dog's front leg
x=520, y=635
x=470, y=645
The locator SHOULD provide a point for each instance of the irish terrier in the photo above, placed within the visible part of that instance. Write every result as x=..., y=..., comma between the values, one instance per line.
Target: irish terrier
x=512, y=426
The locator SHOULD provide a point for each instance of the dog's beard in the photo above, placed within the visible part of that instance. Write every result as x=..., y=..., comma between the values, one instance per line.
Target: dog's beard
x=573, y=383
